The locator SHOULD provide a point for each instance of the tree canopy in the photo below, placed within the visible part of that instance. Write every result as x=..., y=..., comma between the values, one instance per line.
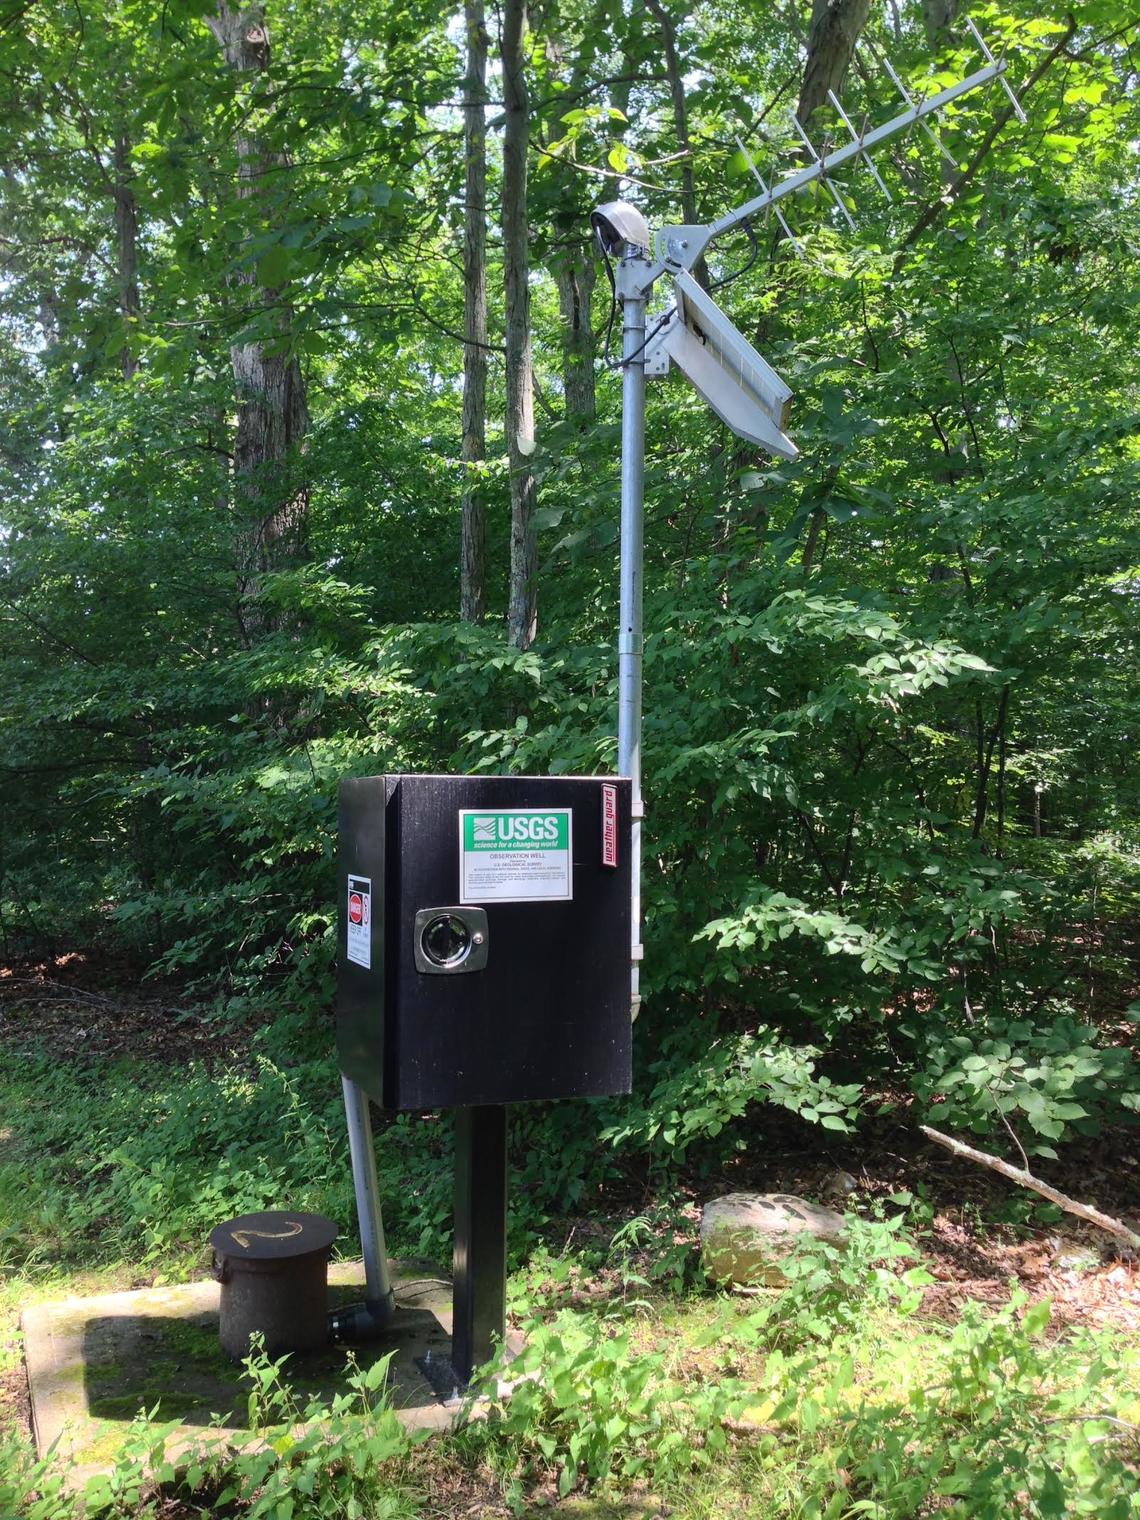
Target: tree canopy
x=891, y=700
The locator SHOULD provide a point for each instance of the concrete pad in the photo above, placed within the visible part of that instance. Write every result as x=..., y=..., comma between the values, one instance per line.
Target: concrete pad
x=94, y=1363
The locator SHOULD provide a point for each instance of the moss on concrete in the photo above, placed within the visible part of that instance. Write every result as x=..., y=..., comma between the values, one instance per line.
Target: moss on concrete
x=95, y=1365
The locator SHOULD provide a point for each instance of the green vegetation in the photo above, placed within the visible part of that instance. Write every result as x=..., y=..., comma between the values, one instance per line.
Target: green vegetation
x=892, y=863
x=890, y=694
x=824, y=1399
x=833, y=1396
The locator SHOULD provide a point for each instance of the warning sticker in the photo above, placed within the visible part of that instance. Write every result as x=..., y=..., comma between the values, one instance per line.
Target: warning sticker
x=515, y=855
x=359, y=921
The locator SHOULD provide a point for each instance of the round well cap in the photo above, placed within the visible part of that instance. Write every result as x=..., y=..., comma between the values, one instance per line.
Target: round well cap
x=273, y=1234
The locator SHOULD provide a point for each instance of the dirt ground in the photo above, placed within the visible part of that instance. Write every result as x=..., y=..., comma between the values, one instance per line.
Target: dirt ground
x=88, y=1009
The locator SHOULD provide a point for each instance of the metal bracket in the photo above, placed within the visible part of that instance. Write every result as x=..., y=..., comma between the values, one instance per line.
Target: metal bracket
x=657, y=361
x=442, y=1378
x=680, y=247
x=635, y=277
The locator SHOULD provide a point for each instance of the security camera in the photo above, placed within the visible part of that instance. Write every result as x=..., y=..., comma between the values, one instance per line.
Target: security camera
x=616, y=225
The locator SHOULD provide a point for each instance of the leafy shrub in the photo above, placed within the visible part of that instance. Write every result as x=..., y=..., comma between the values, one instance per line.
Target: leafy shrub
x=1004, y=1426
x=211, y=1146
x=300, y=1461
x=703, y=1083
x=831, y=1290
x=657, y=1248
x=1055, y=1077
x=31, y=1489
x=583, y=1405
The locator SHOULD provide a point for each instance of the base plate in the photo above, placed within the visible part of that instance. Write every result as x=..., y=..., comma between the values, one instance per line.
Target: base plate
x=94, y=1363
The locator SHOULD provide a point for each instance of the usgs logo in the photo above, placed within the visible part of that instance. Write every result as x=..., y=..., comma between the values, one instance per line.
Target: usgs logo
x=512, y=828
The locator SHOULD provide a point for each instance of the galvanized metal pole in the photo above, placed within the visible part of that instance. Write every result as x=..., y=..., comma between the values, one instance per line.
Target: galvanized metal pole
x=378, y=1294
x=633, y=296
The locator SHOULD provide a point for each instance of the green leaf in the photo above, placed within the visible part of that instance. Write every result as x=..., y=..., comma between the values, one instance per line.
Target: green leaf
x=1036, y=1317
x=273, y=267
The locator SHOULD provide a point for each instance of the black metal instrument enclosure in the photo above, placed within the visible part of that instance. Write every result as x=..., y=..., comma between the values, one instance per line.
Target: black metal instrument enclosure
x=518, y=986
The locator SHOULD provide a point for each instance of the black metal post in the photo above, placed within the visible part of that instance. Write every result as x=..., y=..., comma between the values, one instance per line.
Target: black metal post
x=479, y=1296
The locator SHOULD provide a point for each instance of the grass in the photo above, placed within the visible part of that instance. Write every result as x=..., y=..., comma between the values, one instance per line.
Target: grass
x=829, y=1400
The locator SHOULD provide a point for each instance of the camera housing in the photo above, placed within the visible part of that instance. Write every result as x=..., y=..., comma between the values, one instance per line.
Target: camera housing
x=618, y=225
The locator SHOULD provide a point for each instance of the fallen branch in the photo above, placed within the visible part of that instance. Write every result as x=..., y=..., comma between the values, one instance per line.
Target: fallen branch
x=1115, y=1227
x=52, y=989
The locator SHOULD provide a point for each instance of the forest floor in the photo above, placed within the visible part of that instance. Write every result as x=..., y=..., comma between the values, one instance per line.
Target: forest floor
x=979, y=1240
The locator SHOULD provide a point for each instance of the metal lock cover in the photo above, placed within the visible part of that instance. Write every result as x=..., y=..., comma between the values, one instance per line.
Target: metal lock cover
x=447, y=941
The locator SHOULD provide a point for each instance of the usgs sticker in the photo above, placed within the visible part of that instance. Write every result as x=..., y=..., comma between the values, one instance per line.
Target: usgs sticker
x=515, y=855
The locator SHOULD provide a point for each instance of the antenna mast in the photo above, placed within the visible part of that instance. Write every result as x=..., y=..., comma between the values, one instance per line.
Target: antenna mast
x=697, y=338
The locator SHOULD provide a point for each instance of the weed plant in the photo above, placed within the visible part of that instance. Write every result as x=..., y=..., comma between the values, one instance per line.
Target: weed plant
x=342, y=1460
x=823, y=1400
x=130, y=1161
x=828, y=1399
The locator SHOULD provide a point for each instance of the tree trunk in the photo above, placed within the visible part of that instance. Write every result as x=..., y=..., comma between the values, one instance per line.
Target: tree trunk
x=939, y=17
x=522, y=605
x=836, y=26
x=472, y=595
x=572, y=264
x=631, y=66
x=272, y=415
x=985, y=760
x=575, y=274
x=673, y=74
x=126, y=246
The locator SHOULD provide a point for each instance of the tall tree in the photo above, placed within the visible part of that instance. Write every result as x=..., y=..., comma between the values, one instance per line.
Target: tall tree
x=575, y=274
x=272, y=415
x=674, y=72
x=126, y=246
x=836, y=26
x=472, y=591
x=572, y=263
x=522, y=607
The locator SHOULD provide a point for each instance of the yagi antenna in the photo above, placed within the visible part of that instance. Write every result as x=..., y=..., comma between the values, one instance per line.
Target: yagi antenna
x=697, y=338
x=999, y=66
x=821, y=166
x=934, y=137
x=787, y=231
x=680, y=247
x=858, y=137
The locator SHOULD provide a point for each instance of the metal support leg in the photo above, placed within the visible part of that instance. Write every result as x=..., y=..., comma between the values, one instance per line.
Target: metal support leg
x=480, y=1265
x=363, y=1319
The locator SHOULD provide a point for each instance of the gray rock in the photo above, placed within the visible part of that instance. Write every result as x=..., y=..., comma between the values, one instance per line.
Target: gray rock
x=745, y=1236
